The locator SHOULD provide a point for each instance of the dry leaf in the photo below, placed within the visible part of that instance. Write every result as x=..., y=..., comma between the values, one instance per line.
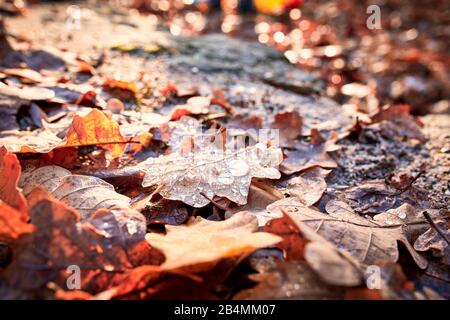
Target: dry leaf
x=96, y=129
x=308, y=186
x=9, y=177
x=289, y=280
x=61, y=240
x=84, y=193
x=375, y=197
x=365, y=240
x=201, y=242
x=194, y=106
x=121, y=85
x=436, y=241
x=29, y=75
x=26, y=92
x=307, y=155
x=152, y=282
x=93, y=129
x=290, y=124
x=11, y=224
x=300, y=242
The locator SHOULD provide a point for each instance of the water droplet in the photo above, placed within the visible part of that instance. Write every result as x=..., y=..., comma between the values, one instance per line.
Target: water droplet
x=132, y=227
x=238, y=168
x=108, y=267
x=402, y=215
x=271, y=173
x=225, y=178
x=243, y=190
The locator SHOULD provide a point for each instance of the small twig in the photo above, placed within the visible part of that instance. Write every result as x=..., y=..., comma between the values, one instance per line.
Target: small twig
x=435, y=227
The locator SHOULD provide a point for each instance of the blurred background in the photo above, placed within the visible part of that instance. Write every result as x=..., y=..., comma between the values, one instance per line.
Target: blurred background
x=406, y=61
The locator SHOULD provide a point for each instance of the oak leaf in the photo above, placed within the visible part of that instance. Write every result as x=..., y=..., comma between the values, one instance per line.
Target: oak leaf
x=307, y=155
x=61, y=240
x=199, y=176
x=93, y=129
x=300, y=242
x=201, y=242
x=365, y=240
x=84, y=193
x=9, y=176
x=11, y=224
x=308, y=186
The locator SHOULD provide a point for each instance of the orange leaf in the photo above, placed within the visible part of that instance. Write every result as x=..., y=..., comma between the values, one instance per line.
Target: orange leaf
x=293, y=243
x=95, y=128
x=122, y=85
x=11, y=224
x=9, y=176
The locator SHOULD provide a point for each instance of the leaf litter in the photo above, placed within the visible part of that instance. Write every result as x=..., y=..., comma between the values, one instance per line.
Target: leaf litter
x=158, y=188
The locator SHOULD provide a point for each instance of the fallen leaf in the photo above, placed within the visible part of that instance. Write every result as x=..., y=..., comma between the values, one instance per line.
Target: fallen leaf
x=365, y=240
x=85, y=193
x=93, y=129
x=11, y=224
x=60, y=240
x=289, y=280
x=261, y=194
x=300, y=242
x=29, y=75
x=26, y=92
x=392, y=112
x=209, y=241
x=96, y=129
x=356, y=89
x=121, y=85
x=436, y=241
x=290, y=124
x=194, y=106
x=151, y=282
x=308, y=186
x=375, y=197
x=209, y=172
x=9, y=192
x=308, y=155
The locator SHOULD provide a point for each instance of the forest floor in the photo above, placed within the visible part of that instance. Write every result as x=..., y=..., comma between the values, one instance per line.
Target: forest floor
x=111, y=136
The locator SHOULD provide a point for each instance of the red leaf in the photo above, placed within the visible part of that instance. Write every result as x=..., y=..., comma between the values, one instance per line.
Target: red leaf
x=9, y=176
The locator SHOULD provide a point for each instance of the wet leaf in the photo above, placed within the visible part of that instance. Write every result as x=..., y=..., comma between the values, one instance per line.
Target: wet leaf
x=261, y=194
x=208, y=172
